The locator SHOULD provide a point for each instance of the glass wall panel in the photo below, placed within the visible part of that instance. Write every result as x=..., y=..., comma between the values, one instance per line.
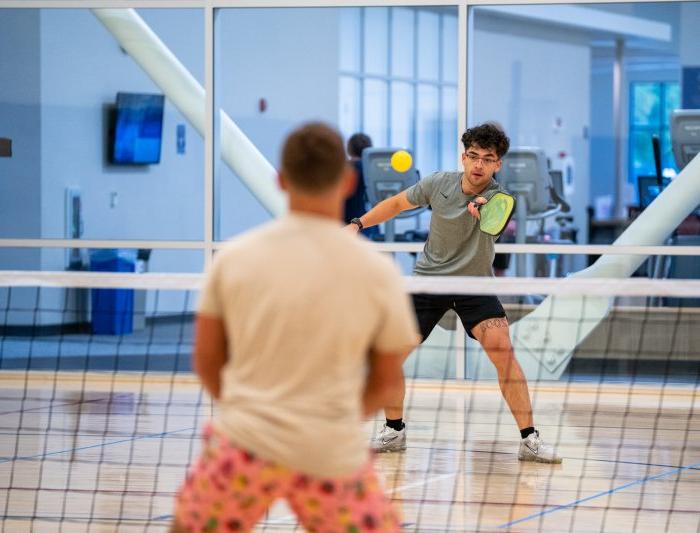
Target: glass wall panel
x=646, y=104
x=428, y=45
x=643, y=163
x=402, y=42
x=376, y=115
x=91, y=259
x=402, y=114
x=427, y=128
x=668, y=161
x=672, y=100
x=376, y=51
x=350, y=32
x=266, y=87
x=354, y=68
x=423, y=39
x=99, y=151
x=448, y=38
x=349, y=102
x=449, y=137
x=651, y=105
x=30, y=313
x=548, y=80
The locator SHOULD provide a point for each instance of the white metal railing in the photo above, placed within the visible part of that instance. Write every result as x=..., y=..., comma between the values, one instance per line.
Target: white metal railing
x=391, y=247
x=588, y=287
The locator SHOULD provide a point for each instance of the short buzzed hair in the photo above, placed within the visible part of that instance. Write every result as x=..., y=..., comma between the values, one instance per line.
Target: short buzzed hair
x=487, y=136
x=313, y=157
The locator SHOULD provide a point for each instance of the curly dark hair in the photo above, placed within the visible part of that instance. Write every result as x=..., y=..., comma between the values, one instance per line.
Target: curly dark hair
x=487, y=136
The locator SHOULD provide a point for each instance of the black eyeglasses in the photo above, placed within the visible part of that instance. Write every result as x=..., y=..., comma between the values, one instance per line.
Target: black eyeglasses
x=487, y=161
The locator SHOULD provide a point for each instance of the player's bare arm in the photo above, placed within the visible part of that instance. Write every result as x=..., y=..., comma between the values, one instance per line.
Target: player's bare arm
x=210, y=353
x=384, y=210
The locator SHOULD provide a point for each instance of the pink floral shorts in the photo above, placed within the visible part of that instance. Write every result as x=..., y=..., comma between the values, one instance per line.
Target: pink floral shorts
x=229, y=489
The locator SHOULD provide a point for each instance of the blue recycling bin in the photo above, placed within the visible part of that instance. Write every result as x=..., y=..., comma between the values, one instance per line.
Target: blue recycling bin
x=112, y=309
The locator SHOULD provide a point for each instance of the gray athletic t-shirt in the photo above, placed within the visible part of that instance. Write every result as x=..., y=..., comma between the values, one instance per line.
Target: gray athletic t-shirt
x=455, y=246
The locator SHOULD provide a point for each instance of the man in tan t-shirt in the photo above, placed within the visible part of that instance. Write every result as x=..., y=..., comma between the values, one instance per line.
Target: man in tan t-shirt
x=301, y=332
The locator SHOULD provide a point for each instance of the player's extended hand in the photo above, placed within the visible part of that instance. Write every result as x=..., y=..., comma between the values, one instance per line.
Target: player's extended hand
x=472, y=206
x=352, y=228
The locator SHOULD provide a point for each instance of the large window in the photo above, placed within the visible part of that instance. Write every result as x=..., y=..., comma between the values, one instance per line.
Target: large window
x=398, y=80
x=67, y=125
x=651, y=104
x=389, y=72
x=392, y=71
x=74, y=94
x=265, y=87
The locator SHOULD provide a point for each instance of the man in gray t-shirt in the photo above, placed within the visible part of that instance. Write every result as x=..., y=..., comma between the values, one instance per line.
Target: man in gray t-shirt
x=457, y=247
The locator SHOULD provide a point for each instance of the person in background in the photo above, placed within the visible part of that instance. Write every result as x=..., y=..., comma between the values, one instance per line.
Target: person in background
x=356, y=203
x=456, y=247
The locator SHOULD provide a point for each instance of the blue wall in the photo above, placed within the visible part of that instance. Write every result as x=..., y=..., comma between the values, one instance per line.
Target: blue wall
x=20, y=120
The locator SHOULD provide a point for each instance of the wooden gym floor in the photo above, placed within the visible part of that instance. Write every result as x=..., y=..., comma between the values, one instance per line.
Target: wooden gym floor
x=106, y=452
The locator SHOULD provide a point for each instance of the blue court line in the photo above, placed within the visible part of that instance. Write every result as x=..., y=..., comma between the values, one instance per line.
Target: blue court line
x=492, y=452
x=31, y=409
x=38, y=456
x=599, y=494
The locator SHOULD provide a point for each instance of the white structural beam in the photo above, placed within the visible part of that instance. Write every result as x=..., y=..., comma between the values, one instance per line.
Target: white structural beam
x=186, y=93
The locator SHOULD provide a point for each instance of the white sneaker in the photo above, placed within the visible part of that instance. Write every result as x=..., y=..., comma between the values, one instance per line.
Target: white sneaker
x=389, y=440
x=533, y=449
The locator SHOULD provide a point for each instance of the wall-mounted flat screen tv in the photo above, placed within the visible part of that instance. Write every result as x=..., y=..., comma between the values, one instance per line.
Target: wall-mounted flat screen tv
x=138, y=128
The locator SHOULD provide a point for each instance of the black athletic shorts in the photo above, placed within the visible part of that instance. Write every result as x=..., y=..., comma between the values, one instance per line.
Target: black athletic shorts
x=501, y=261
x=471, y=310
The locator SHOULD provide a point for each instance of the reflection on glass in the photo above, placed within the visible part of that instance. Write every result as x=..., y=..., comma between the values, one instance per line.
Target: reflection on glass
x=375, y=116
x=549, y=81
x=643, y=161
x=428, y=45
x=427, y=133
x=449, y=137
x=402, y=42
x=668, y=161
x=449, y=49
x=672, y=100
x=350, y=32
x=349, y=105
x=88, y=163
x=355, y=68
x=646, y=104
x=651, y=105
x=376, y=55
x=402, y=119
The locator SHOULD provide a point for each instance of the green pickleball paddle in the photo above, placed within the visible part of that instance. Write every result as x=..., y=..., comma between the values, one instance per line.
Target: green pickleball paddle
x=495, y=214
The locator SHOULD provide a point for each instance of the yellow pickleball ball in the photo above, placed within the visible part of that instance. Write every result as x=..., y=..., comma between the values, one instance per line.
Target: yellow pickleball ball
x=401, y=161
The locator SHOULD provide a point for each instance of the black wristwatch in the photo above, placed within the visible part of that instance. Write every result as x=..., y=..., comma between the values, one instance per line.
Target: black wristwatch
x=358, y=222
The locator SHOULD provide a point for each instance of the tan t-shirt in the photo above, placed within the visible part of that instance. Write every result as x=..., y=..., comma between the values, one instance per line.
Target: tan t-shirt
x=303, y=301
